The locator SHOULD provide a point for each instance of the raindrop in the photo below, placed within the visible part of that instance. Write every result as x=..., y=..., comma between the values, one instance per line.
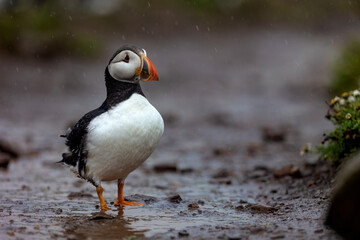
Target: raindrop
x=197, y=28
x=39, y=70
x=149, y=4
x=215, y=49
x=84, y=75
x=17, y=69
x=123, y=37
x=286, y=42
x=208, y=28
x=70, y=18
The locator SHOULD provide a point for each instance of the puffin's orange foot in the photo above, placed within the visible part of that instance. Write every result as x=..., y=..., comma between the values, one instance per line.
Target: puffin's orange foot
x=105, y=208
x=125, y=203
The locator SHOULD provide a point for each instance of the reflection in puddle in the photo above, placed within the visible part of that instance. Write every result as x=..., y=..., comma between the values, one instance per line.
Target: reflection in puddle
x=101, y=225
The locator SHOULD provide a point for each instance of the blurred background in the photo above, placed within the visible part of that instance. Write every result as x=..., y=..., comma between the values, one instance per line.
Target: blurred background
x=242, y=84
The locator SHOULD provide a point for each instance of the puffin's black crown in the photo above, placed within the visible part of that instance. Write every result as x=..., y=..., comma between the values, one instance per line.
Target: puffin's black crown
x=132, y=48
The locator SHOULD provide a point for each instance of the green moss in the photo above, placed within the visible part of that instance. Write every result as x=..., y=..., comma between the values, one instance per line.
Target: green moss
x=344, y=140
x=346, y=72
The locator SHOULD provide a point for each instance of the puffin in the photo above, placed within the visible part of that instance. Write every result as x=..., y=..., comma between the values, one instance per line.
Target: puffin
x=110, y=142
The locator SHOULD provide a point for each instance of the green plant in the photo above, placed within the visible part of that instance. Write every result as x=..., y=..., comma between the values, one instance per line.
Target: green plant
x=344, y=140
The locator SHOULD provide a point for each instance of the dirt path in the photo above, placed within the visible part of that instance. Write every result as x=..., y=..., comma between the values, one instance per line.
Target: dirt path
x=237, y=109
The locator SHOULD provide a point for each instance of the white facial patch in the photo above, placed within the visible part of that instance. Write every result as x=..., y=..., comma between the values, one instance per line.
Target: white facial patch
x=122, y=69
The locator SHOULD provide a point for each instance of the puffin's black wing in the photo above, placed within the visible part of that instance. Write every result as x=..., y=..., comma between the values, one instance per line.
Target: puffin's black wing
x=75, y=139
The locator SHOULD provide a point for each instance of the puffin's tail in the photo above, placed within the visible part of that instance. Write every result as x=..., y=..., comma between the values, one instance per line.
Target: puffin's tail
x=69, y=159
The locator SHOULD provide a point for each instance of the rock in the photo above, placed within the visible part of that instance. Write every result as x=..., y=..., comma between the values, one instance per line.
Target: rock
x=288, y=170
x=165, y=167
x=141, y=198
x=260, y=208
x=223, y=173
x=4, y=160
x=344, y=209
x=281, y=236
x=183, y=233
x=223, y=151
x=254, y=149
x=186, y=170
x=9, y=148
x=10, y=233
x=58, y=211
x=270, y=134
x=175, y=198
x=224, y=181
x=193, y=206
x=234, y=238
x=37, y=227
x=256, y=208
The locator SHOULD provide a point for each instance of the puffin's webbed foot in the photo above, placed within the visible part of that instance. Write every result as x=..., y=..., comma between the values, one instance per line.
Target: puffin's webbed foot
x=121, y=201
x=125, y=203
x=103, y=205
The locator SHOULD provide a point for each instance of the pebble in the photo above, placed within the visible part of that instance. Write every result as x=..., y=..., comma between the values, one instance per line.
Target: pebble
x=183, y=233
x=58, y=211
x=165, y=167
x=175, y=198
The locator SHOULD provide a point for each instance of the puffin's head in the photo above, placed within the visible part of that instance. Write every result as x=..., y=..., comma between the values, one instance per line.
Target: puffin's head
x=130, y=64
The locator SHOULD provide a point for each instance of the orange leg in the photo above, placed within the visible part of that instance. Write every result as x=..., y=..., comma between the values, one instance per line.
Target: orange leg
x=103, y=205
x=121, y=201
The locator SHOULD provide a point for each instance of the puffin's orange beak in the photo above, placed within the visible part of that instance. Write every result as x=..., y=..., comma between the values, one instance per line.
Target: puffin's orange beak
x=148, y=72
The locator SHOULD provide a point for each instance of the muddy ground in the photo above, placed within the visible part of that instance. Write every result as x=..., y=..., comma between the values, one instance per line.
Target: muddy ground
x=238, y=106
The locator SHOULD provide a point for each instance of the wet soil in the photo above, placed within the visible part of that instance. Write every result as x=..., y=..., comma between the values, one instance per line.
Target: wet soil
x=237, y=111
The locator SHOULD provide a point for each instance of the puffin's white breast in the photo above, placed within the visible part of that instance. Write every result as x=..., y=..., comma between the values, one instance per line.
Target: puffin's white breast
x=122, y=138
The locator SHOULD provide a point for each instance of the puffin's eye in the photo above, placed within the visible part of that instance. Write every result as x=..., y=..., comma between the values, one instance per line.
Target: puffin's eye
x=126, y=58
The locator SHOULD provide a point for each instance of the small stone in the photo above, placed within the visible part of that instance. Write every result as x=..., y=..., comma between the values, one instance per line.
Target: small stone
x=270, y=134
x=277, y=237
x=165, y=167
x=288, y=170
x=240, y=207
x=254, y=148
x=58, y=211
x=37, y=227
x=4, y=160
x=183, y=233
x=223, y=151
x=319, y=230
x=141, y=198
x=10, y=233
x=193, y=206
x=223, y=173
x=260, y=208
x=175, y=198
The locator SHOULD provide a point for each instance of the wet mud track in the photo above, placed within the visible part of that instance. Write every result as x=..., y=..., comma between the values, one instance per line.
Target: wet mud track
x=228, y=166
